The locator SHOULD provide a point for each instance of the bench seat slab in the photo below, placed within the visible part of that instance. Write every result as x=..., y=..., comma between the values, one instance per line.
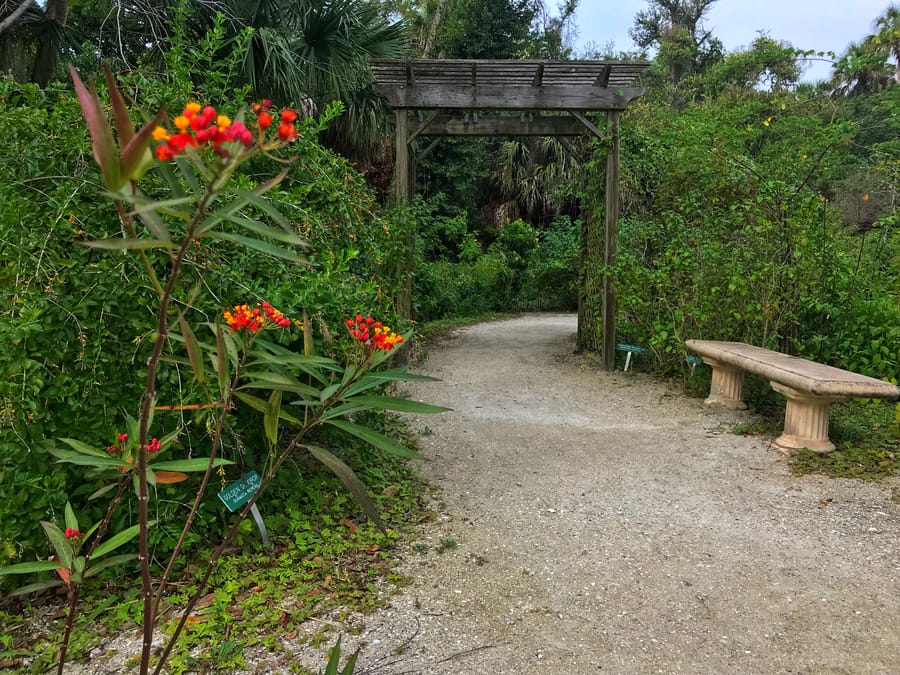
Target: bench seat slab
x=805, y=420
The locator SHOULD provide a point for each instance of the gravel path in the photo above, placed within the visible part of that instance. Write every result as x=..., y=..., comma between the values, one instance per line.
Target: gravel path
x=608, y=523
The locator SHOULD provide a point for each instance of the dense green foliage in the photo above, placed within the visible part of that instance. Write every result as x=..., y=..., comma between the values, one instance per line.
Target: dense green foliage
x=754, y=208
x=75, y=325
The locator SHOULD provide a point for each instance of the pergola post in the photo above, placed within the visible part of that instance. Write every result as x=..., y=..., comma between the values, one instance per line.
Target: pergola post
x=450, y=97
x=610, y=242
x=404, y=188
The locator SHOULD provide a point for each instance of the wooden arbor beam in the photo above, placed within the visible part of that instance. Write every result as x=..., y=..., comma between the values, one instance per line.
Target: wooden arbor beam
x=514, y=98
x=447, y=124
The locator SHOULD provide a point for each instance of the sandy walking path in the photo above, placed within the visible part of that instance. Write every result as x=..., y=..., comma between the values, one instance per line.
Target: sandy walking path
x=608, y=523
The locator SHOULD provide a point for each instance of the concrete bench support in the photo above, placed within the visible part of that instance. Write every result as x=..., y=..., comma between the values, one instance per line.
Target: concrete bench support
x=810, y=388
x=726, y=388
x=805, y=420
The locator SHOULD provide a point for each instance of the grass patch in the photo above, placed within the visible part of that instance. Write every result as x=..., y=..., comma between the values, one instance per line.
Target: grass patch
x=435, y=331
x=867, y=440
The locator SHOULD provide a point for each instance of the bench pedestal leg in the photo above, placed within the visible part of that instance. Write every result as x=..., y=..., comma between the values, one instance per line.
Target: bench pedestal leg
x=726, y=387
x=805, y=420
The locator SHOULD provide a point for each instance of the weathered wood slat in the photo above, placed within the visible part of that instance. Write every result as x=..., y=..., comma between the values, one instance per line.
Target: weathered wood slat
x=508, y=97
x=446, y=124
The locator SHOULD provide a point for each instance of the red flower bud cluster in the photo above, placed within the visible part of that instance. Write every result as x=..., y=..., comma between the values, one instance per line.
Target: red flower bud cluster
x=73, y=534
x=275, y=316
x=154, y=445
x=117, y=447
x=202, y=126
x=244, y=317
x=372, y=334
x=286, y=130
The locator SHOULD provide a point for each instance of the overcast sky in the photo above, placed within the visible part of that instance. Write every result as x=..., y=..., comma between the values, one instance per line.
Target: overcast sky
x=822, y=25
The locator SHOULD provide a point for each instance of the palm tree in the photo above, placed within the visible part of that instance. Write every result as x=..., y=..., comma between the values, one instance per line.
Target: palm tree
x=887, y=39
x=318, y=50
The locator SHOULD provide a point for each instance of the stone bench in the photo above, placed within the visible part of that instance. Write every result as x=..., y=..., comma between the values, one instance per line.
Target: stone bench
x=810, y=388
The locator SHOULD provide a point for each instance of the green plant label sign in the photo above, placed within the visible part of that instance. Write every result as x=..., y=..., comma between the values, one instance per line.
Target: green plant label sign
x=240, y=491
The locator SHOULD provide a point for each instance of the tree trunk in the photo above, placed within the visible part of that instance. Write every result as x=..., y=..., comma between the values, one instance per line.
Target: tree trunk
x=47, y=56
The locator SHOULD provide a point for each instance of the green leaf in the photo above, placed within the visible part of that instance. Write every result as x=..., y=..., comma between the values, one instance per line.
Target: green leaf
x=83, y=448
x=109, y=562
x=265, y=231
x=193, y=349
x=187, y=170
x=165, y=170
x=120, y=110
x=118, y=540
x=189, y=465
x=59, y=542
x=102, y=491
x=270, y=419
x=71, y=520
x=261, y=246
x=221, y=357
x=266, y=207
x=136, y=158
x=398, y=404
x=70, y=457
x=262, y=406
x=373, y=379
x=119, y=243
x=270, y=380
x=30, y=568
x=102, y=143
x=150, y=216
x=351, y=482
x=34, y=588
x=375, y=438
x=79, y=564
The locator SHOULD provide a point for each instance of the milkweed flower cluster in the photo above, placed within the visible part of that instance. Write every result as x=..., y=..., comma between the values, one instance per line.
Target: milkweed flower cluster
x=244, y=317
x=286, y=129
x=199, y=126
x=153, y=445
x=372, y=334
x=72, y=533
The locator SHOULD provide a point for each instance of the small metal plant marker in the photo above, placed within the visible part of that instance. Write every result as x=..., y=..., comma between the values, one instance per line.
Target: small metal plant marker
x=239, y=493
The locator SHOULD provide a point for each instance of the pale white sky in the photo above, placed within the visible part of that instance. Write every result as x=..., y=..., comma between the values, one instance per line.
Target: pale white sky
x=807, y=24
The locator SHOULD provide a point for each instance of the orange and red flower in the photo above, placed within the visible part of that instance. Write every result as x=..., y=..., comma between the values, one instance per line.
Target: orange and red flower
x=244, y=317
x=372, y=334
x=203, y=126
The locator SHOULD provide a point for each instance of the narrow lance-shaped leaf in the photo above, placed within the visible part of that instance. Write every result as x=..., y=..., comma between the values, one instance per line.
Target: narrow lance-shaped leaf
x=193, y=349
x=262, y=406
x=108, y=562
x=266, y=207
x=82, y=447
x=259, y=245
x=71, y=520
x=270, y=419
x=397, y=404
x=375, y=438
x=136, y=157
x=102, y=141
x=257, y=227
x=29, y=568
x=118, y=540
x=221, y=358
x=60, y=544
x=36, y=587
x=194, y=464
x=351, y=482
x=119, y=243
x=120, y=110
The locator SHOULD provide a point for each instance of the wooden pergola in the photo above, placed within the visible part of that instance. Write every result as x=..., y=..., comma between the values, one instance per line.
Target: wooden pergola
x=436, y=98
